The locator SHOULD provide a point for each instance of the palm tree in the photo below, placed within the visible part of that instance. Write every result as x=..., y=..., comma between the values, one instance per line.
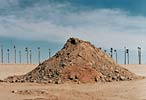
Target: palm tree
x=39, y=55
x=30, y=56
x=2, y=54
x=116, y=55
x=8, y=50
x=127, y=51
x=15, y=54
x=111, y=52
x=124, y=55
x=139, y=54
x=20, y=57
x=49, y=53
x=26, y=49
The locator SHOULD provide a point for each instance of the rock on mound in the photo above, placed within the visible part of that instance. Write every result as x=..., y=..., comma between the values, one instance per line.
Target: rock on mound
x=78, y=61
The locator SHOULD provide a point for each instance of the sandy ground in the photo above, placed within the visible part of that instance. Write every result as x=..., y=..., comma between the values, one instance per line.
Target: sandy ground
x=128, y=90
x=15, y=69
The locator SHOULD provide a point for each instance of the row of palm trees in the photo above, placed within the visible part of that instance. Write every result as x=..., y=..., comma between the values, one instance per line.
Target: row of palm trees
x=113, y=52
x=28, y=55
x=126, y=55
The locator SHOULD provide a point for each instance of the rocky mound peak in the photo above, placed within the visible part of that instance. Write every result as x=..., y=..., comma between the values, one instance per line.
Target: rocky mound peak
x=78, y=61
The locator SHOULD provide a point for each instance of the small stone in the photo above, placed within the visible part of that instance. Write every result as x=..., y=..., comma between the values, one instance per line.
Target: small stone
x=76, y=80
x=14, y=91
x=71, y=77
x=59, y=81
x=50, y=81
x=122, y=78
x=56, y=82
x=114, y=78
x=80, y=54
x=79, y=82
x=63, y=64
x=45, y=78
x=73, y=41
x=116, y=71
x=96, y=79
x=1, y=81
x=22, y=81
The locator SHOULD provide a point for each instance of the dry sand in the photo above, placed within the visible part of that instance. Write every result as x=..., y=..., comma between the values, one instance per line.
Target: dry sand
x=15, y=69
x=127, y=90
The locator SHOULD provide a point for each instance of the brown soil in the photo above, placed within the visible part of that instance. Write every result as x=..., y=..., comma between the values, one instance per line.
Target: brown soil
x=78, y=61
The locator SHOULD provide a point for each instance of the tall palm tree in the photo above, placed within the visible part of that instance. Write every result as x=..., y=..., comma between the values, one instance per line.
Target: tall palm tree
x=2, y=54
x=14, y=54
x=139, y=55
x=111, y=52
x=30, y=56
x=125, y=55
x=26, y=49
x=127, y=51
x=8, y=51
x=49, y=53
x=116, y=55
x=20, y=57
x=39, y=55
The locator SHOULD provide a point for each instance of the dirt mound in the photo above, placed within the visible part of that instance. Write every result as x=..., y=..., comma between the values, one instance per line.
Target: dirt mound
x=78, y=61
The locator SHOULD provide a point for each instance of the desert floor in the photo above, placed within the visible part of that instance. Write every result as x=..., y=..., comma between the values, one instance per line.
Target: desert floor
x=128, y=90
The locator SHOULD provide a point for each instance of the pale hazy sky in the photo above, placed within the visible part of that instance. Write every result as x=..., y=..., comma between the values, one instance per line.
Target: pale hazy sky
x=48, y=23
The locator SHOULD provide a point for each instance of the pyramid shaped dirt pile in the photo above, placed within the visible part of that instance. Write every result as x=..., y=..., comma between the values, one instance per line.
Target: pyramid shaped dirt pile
x=77, y=61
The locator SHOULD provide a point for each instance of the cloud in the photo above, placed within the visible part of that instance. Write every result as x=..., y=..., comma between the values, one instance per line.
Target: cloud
x=57, y=22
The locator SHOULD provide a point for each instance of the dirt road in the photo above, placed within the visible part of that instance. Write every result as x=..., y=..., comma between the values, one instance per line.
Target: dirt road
x=128, y=90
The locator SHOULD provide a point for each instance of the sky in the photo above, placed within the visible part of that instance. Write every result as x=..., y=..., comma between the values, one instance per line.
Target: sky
x=49, y=23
